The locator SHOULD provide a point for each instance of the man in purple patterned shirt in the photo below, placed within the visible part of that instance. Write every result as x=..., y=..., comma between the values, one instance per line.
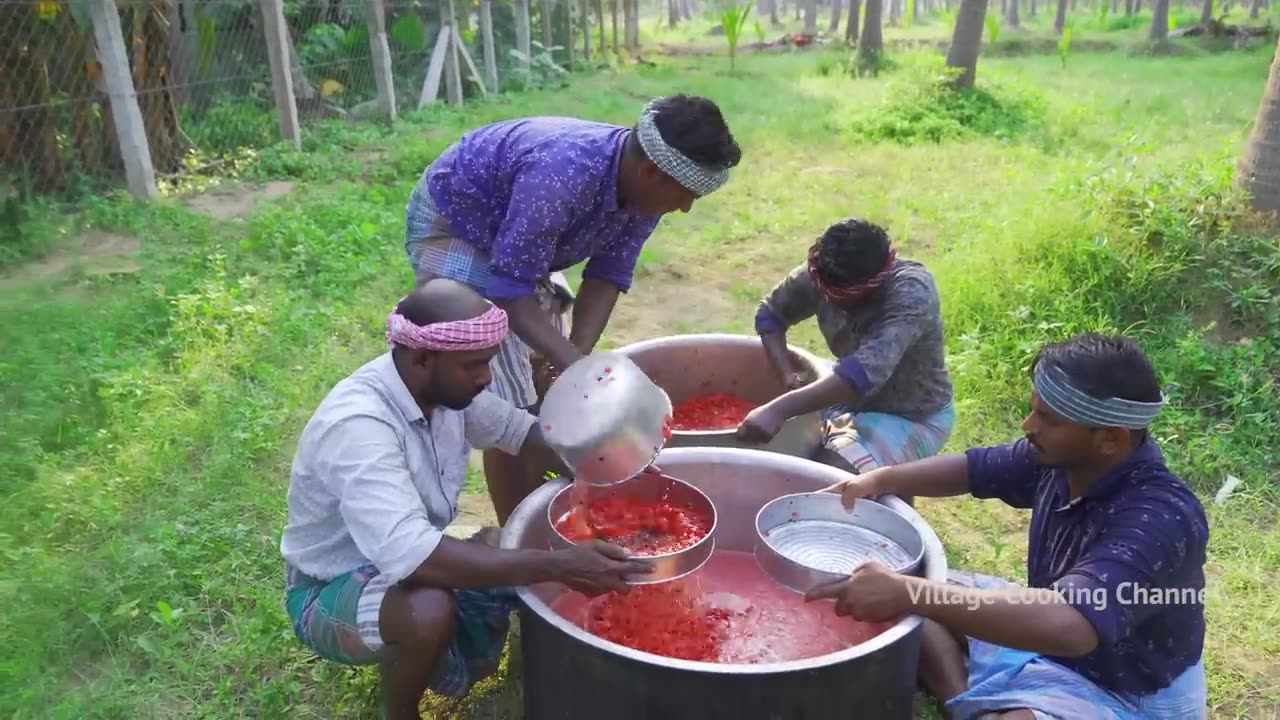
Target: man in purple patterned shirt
x=513, y=203
x=1111, y=624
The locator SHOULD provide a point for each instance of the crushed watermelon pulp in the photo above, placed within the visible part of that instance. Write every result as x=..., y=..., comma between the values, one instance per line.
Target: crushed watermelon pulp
x=642, y=527
x=729, y=611
x=713, y=411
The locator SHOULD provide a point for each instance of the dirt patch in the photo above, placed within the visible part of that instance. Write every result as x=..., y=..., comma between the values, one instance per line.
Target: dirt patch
x=475, y=510
x=667, y=301
x=93, y=252
x=236, y=202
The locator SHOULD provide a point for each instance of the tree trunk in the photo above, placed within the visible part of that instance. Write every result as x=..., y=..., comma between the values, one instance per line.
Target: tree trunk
x=811, y=16
x=602, y=37
x=967, y=40
x=1060, y=20
x=773, y=13
x=835, y=16
x=632, y=21
x=1258, y=172
x=613, y=18
x=1206, y=12
x=1255, y=7
x=673, y=13
x=1033, y=8
x=686, y=10
x=584, y=16
x=1012, y=16
x=851, y=26
x=895, y=12
x=546, y=24
x=872, y=43
x=1159, y=21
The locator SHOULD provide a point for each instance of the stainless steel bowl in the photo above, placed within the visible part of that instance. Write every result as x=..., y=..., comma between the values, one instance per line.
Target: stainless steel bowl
x=686, y=366
x=810, y=539
x=605, y=418
x=649, y=486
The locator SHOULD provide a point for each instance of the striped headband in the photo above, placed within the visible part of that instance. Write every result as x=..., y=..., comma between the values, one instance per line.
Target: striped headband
x=1055, y=390
x=478, y=333
x=671, y=161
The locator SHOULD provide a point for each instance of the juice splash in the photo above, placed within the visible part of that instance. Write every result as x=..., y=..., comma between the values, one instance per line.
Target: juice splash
x=727, y=612
x=714, y=411
x=643, y=527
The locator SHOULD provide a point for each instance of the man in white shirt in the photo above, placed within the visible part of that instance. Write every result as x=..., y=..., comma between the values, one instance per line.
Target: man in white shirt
x=371, y=576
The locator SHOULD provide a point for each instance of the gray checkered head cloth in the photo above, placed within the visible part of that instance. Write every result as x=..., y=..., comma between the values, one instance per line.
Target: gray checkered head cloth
x=671, y=161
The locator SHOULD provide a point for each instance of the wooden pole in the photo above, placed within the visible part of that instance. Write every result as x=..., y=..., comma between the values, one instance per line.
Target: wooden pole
x=452, y=63
x=380, y=53
x=523, y=31
x=140, y=175
x=490, y=53
x=281, y=75
x=431, y=85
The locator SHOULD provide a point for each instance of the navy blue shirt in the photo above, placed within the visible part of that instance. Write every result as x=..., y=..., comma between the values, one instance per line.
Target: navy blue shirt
x=1129, y=555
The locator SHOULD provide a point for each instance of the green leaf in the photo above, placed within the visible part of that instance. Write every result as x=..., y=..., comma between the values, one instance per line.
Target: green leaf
x=409, y=33
x=147, y=644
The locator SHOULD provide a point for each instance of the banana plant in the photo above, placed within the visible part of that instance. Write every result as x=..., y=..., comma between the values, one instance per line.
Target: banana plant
x=733, y=17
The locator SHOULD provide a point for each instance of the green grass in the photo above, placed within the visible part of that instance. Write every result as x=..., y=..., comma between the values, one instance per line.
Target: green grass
x=152, y=412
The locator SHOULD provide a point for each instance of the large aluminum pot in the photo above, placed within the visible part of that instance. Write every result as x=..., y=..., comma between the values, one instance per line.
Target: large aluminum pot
x=686, y=366
x=569, y=674
x=605, y=418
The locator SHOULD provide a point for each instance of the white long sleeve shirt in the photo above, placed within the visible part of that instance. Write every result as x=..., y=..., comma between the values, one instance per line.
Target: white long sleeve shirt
x=374, y=481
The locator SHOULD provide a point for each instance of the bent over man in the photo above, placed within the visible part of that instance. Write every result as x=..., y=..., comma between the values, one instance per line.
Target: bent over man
x=512, y=203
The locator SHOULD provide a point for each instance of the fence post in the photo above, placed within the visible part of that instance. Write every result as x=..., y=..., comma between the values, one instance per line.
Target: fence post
x=490, y=53
x=523, y=30
x=452, y=62
x=130, y=132
x=381, y=56
x=281, y=73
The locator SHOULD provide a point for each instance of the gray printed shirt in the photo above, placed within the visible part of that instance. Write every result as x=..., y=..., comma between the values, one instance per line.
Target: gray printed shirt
x=890, y=350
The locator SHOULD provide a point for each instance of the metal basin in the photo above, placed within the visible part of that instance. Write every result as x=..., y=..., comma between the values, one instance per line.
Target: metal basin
x=648, y=486
x=809, y=539
x=686, y=366
x=605, y=418
x=569, y=674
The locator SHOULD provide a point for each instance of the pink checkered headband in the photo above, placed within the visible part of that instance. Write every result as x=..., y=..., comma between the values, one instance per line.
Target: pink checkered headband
x=478, y=333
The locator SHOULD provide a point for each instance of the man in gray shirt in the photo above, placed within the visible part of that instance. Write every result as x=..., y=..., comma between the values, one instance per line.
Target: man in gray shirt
x=372, y=578
x=889, y=398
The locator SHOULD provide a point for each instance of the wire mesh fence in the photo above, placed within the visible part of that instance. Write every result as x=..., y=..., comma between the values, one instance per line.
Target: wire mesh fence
x=55, y=126
x=200, y=72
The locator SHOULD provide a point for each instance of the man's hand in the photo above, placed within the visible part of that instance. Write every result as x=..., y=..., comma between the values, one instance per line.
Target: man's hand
x=872, y=593
x=794, y=380
x=761, y=425
x=857, y=487
x=597, y=567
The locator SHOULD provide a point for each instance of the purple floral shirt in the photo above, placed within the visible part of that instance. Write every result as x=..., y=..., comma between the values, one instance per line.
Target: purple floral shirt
x=539, y=195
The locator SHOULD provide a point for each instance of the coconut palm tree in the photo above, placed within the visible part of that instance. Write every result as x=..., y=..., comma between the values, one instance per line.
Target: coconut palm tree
x=967, y=40
x=1258, y=172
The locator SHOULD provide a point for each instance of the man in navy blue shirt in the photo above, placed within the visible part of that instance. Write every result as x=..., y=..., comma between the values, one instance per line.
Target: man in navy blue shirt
x=1112, y=623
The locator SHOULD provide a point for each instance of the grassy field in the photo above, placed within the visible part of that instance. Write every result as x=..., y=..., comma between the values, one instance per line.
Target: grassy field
x=160, y=360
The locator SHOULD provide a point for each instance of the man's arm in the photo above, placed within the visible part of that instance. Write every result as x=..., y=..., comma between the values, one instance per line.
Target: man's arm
x=793, y=300
x=591, y=312
x=1007, y=472
x=1033, y=619
x=531, y=324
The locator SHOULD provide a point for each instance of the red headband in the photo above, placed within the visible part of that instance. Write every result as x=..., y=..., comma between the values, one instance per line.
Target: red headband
x=849, y=293
x=479, y=333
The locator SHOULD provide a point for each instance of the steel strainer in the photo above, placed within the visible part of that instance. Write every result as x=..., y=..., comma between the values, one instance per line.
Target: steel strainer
x=810, y=539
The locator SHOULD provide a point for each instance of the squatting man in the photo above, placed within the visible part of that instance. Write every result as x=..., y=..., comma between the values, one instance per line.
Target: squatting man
x=1116, y=549
x=371, y=576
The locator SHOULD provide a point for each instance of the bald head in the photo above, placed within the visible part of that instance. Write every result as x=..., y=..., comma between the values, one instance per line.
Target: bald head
x=442, y=300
